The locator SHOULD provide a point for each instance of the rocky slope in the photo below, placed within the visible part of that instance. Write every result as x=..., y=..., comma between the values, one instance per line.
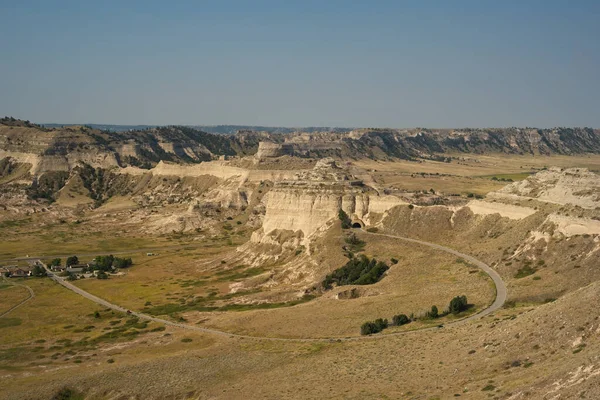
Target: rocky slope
x=314, y=198
x=61, y=148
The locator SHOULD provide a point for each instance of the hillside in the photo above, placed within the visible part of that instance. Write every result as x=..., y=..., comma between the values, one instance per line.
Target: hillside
x=61, y=148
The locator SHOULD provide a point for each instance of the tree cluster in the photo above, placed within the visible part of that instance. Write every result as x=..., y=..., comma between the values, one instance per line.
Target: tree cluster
x=457, y=305
x=38, y=271
x=110, y=262
x=357, y=271
x=55, y=262
x=346, y=221
x=369, y=328
x=73, y=260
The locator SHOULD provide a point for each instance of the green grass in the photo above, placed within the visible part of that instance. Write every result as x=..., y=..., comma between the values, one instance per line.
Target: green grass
x=248, y=273
x=515, y=177
x=525, y=271
x=7, y=322
x=264, y=306
x=207, y=304
x=15, y=223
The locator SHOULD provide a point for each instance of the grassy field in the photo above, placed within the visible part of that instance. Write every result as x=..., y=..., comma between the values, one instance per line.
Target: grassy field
x=59, y=327
x=469, y=174
x=421, y=278
x=57, y=339
x=11, y=295
x=35, y=236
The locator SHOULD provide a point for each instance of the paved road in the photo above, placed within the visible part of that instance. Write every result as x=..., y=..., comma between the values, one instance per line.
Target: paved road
x=498, y=302
x=31, y=296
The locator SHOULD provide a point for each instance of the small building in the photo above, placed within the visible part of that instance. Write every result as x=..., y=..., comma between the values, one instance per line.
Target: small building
x=19, y=273
x=77, y=268
x=58, y=268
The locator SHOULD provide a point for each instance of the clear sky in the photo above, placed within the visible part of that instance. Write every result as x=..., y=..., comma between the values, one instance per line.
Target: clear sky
x=302, y=63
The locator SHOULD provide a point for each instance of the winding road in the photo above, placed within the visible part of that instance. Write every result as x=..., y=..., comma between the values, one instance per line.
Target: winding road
x=501, y=294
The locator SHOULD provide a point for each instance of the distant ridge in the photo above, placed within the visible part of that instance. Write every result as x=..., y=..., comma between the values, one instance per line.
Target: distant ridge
x=221, y=129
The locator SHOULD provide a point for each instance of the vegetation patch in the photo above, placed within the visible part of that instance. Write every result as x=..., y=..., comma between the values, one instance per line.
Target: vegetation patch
x=67, y=393
x=525, y=271
x=457, y=305
x=357, y=271
x=7, y=322
x=368, y=328
x=345, y=219
x=354, y=244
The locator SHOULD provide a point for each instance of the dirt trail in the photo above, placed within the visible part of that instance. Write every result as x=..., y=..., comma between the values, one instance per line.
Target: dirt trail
x=31, y=296
x=501, y=294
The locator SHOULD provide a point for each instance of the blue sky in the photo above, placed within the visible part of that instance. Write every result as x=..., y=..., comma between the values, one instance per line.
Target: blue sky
x=302, y=63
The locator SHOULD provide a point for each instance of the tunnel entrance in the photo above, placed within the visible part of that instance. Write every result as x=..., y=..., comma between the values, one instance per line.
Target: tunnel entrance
x=357, y=225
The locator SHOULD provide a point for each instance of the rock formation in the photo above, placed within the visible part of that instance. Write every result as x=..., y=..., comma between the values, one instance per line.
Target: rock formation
x=313, y=198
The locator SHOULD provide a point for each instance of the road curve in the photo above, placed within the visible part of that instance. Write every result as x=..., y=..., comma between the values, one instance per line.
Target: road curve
x=501, y=291
x=501, y=294
x=31, y=296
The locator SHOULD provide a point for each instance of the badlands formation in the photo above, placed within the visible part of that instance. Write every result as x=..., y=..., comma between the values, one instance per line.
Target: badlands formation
x=235, y=241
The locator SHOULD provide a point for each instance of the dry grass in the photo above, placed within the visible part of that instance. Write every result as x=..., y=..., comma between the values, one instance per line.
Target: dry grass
x=472, y=174
x=422, y=278
x=531, y=348
x=11, y=295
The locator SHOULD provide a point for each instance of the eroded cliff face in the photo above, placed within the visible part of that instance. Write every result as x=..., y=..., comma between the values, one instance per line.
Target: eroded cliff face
x=577, y=186
x=314, y=198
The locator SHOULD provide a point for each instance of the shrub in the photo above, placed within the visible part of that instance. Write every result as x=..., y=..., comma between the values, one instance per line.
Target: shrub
x=55, y=262
x=400, y=319
x=357, y=271
x=458, y=304
x=72, y=261
x=355, y=243
x=122, y=262
x=525, y=271
x=346, y=222
x=102, y=275
x=368, y=328
x=38, y=271
x=434, y=313
x=67, y=393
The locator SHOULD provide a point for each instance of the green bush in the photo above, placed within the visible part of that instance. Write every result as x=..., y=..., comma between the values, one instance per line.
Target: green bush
x=458, y=304
x=122, y=262
x=369, y=328
x=67, y=393
x=434, y=313
x=354, y=242
x=38, y=271
x=525, y=271
x=357, y=271
x=346, y=222
x=55, y=262
x=400, y=319
x=72, y=261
